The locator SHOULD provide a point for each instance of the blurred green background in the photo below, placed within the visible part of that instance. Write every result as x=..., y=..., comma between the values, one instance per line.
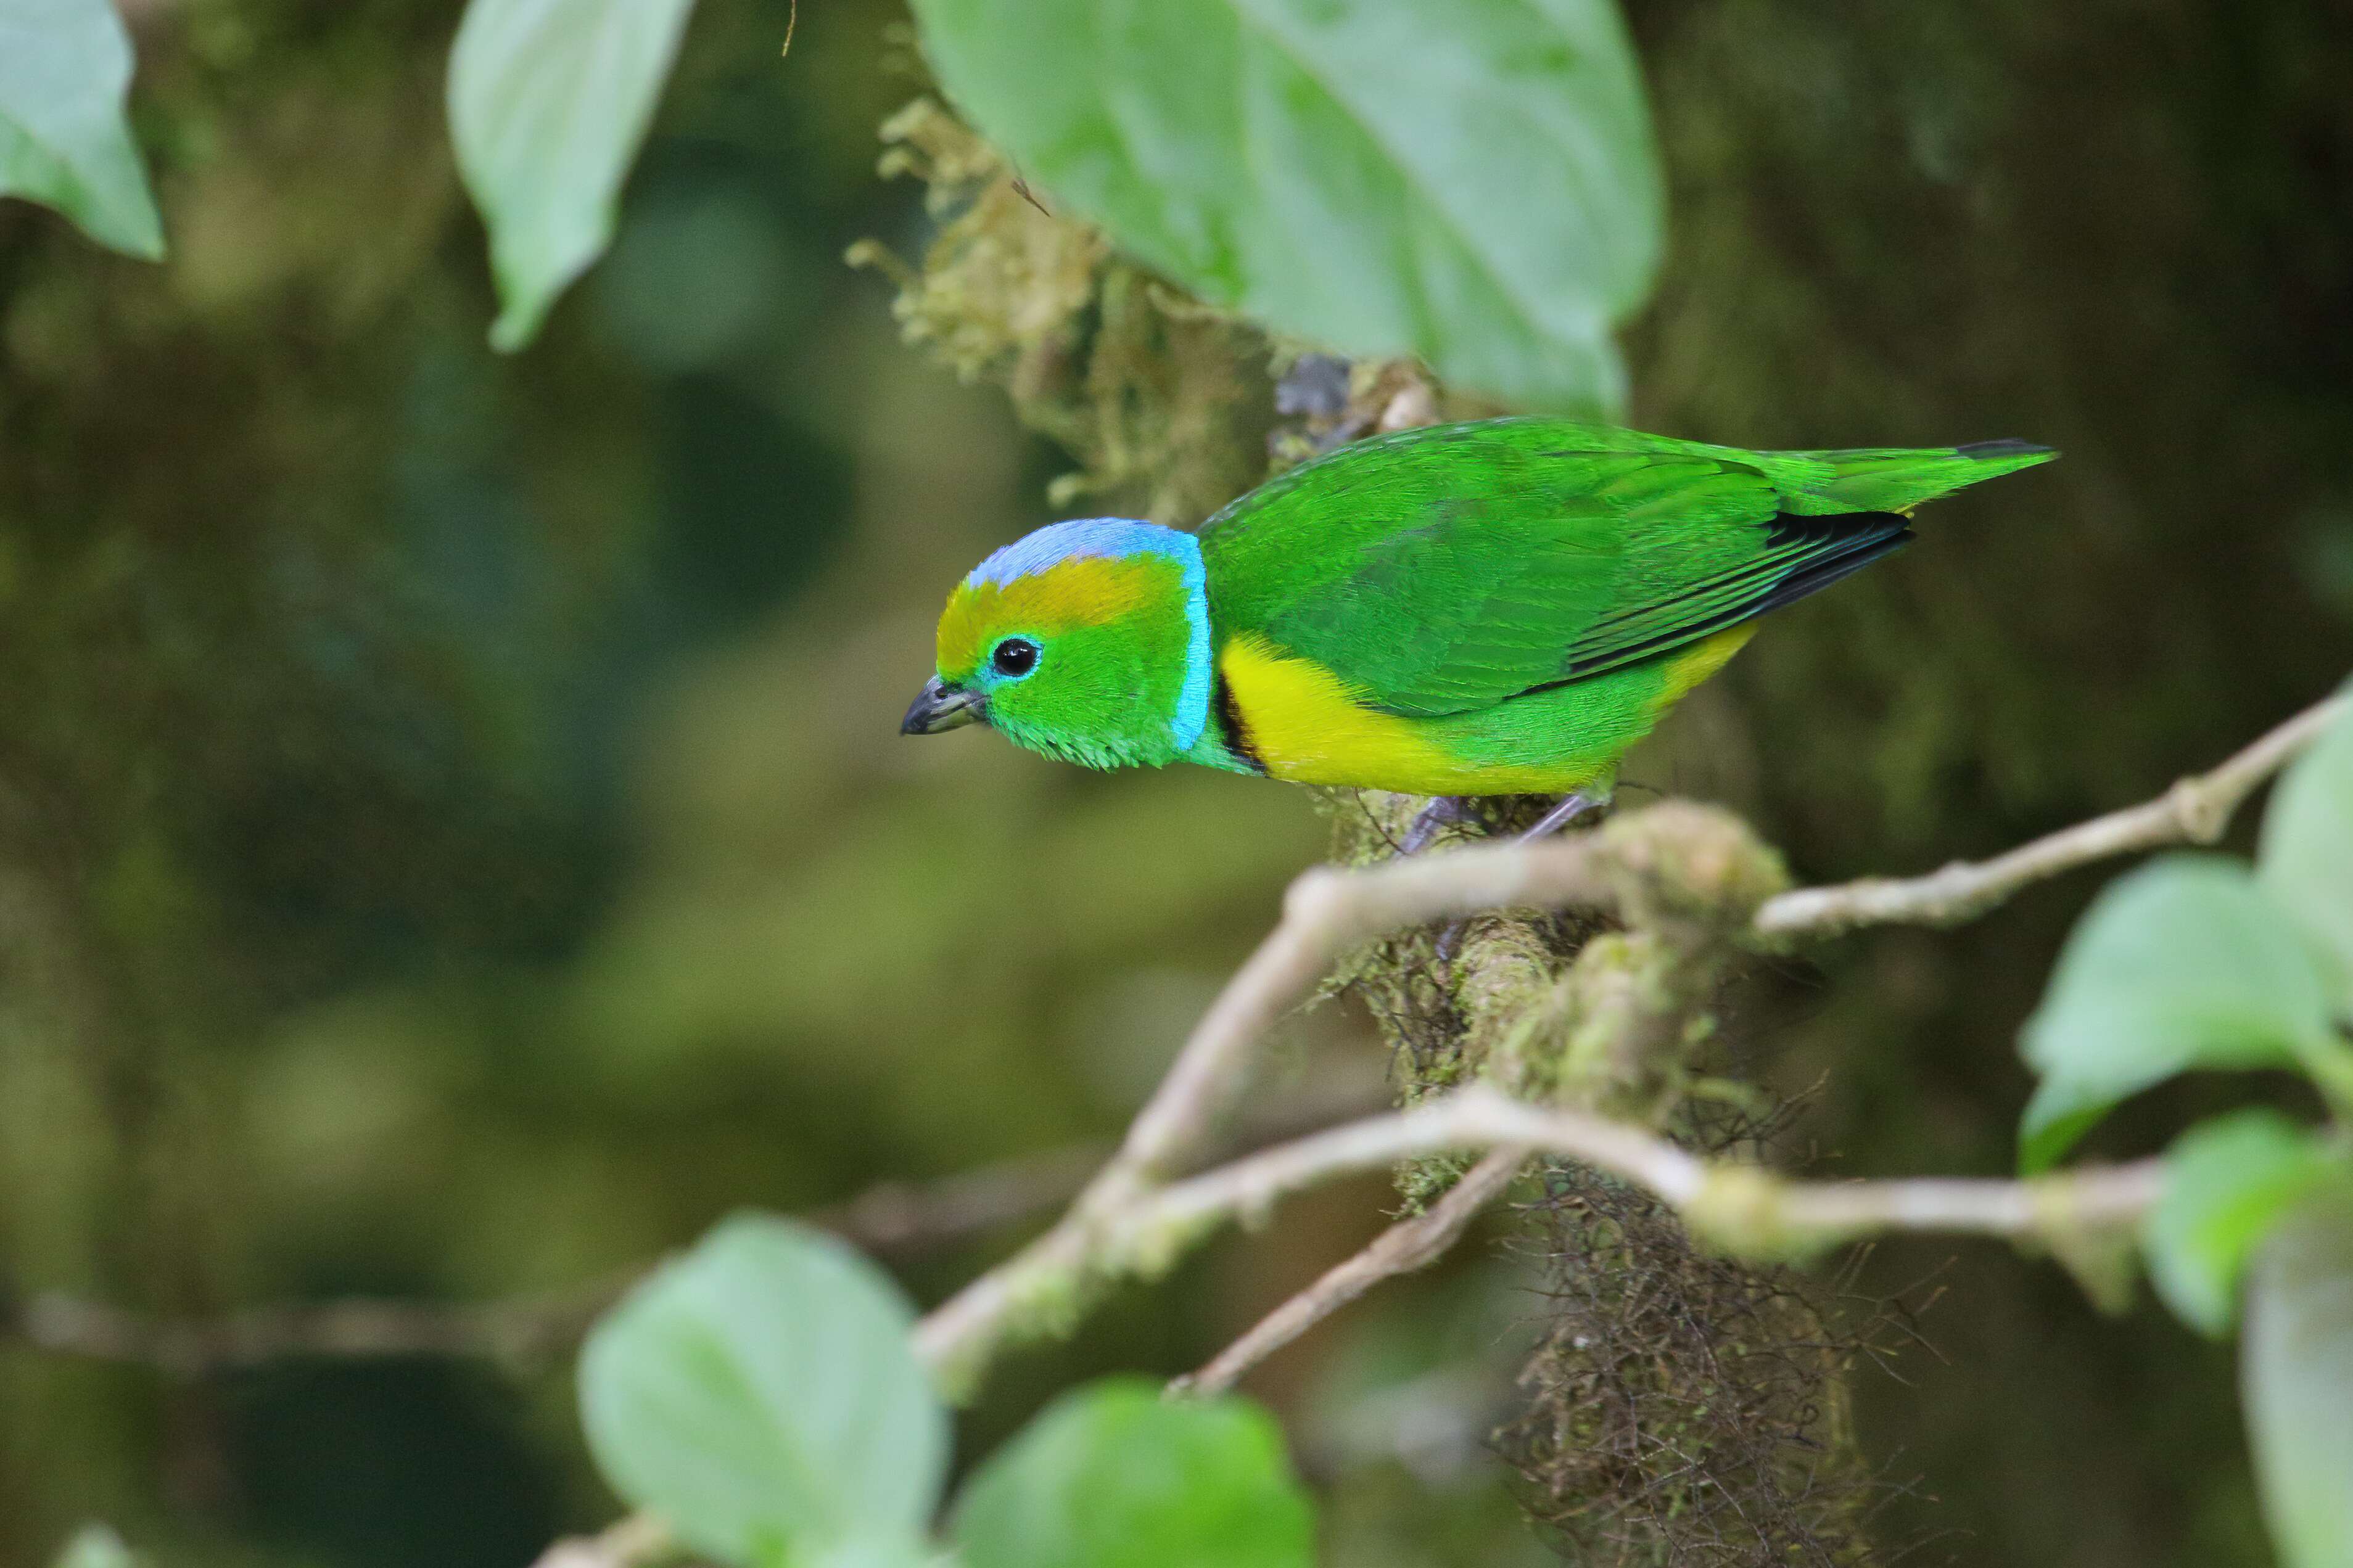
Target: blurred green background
x=454, y=840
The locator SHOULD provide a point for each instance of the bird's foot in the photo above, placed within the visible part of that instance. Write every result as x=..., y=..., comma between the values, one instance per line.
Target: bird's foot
x=1443, y=812
x=1571, y=806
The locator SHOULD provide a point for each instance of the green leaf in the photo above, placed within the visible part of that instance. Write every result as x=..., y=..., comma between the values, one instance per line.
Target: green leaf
x=887, y=1549
x=548, y=101
x=95, y=1546
x=64, y=71
x=1114, y=1476
x=2184, y=964
x=759, y=1395
x=2295, y=1372
x=2306, y=857
x=2227, y=1182
x=1476, y=184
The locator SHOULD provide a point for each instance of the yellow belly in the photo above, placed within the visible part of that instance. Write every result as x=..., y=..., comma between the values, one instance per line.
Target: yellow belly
x=1309, y=726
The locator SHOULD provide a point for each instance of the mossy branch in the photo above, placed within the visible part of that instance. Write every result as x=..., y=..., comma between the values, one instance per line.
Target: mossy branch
x=1413, y=1243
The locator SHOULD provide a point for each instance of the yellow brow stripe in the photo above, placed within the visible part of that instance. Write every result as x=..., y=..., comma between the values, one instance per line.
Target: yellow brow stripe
x=1081, y=592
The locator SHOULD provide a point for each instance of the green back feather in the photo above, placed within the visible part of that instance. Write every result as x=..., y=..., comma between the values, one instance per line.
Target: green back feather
x=1446, y=569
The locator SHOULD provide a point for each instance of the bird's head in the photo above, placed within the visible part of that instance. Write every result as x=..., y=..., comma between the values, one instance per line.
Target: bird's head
x=1088, y=641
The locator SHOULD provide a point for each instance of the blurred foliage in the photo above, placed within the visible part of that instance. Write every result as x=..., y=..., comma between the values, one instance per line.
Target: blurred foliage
x=549, y=101
x=2306, y=861
x=1117, y=1475
x=64, y=139
x=95, y=1546
x=2298, y=1377
x=2228, y=1182
x=758, y=1395
x=453, y=841
x=2183, y=963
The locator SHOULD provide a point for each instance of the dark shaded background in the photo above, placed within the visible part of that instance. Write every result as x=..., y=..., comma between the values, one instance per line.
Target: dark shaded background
x=453, y=840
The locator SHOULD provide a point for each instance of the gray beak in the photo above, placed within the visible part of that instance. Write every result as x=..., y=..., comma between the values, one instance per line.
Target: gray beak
x=938, y=707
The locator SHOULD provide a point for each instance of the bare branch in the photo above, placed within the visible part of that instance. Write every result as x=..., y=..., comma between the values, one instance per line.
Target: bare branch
x=2195, y=810
x=1411, y=1244
x=898, y=1218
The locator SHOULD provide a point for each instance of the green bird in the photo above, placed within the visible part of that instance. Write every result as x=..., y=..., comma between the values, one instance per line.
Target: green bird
x=1500, y=607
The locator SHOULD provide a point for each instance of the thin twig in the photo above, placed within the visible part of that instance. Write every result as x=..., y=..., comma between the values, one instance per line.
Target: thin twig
x=2195, y=810
x=1411, y=1244
x=896, y=1217
x=517, y=1327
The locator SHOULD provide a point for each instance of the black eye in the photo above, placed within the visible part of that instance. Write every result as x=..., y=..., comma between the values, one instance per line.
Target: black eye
x=1015, y=656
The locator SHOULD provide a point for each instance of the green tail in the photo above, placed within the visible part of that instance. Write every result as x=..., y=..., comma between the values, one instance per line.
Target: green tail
x=1895, y=479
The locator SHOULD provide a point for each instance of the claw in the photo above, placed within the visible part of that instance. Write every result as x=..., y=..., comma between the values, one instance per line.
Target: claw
x=1443, y=812
x=1450, y=942
x=1574, y=804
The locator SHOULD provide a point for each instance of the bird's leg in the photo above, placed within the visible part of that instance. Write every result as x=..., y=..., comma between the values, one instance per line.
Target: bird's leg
x=1443, y=812
x=1572, y=806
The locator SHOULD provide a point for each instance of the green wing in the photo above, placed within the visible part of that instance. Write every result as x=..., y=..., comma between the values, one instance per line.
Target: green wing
x=1444, y=570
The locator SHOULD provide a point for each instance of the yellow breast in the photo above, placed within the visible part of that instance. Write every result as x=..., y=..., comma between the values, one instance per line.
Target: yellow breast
x=1309, y=726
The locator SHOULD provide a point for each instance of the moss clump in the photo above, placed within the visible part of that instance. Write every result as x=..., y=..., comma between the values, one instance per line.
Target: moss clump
x=1683, y=1407
x=1164, y=403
